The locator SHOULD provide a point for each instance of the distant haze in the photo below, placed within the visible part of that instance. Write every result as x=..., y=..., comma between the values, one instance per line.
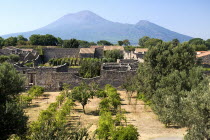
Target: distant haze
x=86, y=25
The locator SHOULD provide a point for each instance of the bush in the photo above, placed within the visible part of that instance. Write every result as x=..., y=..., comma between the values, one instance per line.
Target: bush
x=36, y=91
x=125, y=133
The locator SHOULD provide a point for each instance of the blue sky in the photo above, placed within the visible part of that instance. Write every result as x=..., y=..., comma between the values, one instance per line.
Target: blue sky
x=189, y=17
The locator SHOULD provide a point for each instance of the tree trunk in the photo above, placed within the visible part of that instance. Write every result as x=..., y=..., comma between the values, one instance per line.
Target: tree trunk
x=83, y=107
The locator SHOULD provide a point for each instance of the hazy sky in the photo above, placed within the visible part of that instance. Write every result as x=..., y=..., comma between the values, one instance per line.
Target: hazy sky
x=189, y=17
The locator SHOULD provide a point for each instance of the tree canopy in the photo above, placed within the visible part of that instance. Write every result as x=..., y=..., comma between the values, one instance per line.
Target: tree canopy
x=104, y=43
x=12, y=118
x=72, y=43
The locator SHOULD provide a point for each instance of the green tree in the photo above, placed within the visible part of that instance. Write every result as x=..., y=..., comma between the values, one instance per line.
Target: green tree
x=43, y=40
x=143, y=40
x=35, y=39
x=12, y=118
x=60, y=41
x=207, y=43
x=125, y=133
x=152, y=42
x=196, y=41
x=21, y=38
x=72, y=43
x=104, y=43
x=11, y=41
x=163, y=77
x=84, y=44
x=126, y=42
x=36, y=91
x=175, y=42
x=106, y=125
x=120, y=43
x=197, y=111
x=113, y=54
x=130, y=86
x=81, y=94
x=1, y=42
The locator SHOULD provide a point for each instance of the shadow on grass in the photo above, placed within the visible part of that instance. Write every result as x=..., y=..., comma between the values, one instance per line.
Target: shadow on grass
x=33, y=106
x=79, y=110
x=94, y=113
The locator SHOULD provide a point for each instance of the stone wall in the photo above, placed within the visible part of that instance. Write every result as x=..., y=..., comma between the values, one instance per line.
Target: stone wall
x=52, y=78
x=205, y=59
x=60, y=53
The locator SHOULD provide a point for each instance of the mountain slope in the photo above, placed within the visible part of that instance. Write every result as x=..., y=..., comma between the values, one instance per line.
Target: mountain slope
x=86, y=25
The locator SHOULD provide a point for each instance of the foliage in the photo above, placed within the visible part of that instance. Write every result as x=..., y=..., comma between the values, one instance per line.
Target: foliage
x=25, y=100
x=104, y=43
x=12, y=118
x=143, y=40
x=125, y=133
x=199, y=44
x=201, y=47
x=175, y=42
x=90, y=68
x=36, y=91
x=130, y=86
x=106, y=125
x=85, y=44
x=1, y=42
x=111, y=102
x=43, y=40
x=109, y=127
x=81, y=94
x=11, y=41
x=10, y=58
x=72, y=43
x=152, y=42
x=173, y=83
x=197, y=111
x=11, y=83
x=129, y=48
x=120, y=43
x=113, y=54
x=126, y=42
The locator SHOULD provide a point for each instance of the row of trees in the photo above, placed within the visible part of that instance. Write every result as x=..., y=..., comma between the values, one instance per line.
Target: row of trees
x=197, y=44
x=109, y=127
x=176, y=89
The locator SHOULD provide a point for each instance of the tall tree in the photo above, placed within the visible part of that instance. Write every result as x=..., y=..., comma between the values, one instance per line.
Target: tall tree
x=163, y=77
x=12, y=118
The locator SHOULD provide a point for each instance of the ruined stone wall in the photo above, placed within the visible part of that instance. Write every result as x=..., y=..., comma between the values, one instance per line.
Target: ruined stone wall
x=60, y=53
x=55, y=80
x=205, y=59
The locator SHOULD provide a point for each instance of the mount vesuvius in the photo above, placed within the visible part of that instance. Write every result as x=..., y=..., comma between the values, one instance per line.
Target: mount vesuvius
x=86, y=25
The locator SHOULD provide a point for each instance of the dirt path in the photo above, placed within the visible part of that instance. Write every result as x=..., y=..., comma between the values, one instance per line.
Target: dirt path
x=146, y=121
x=40, y=104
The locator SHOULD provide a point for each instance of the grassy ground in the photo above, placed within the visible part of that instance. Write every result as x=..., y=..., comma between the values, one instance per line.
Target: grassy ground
x=137, y=114
x=40, y=104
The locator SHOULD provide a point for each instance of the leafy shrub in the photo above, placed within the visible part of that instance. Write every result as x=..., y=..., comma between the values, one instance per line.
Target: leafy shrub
x=36, y=91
